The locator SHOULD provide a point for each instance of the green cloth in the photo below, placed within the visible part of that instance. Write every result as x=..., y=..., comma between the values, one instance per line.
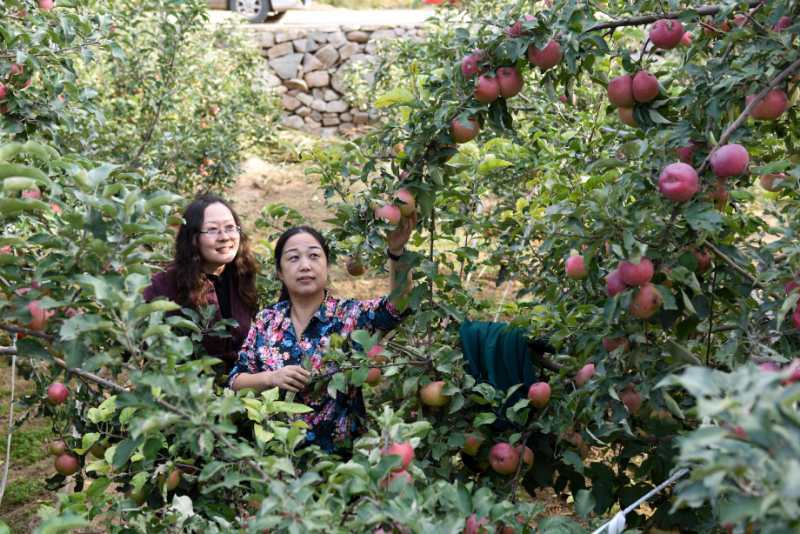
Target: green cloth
x=498, y=354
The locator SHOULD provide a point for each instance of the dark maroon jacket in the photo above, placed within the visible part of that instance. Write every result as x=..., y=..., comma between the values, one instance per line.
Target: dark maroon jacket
x=164, y=284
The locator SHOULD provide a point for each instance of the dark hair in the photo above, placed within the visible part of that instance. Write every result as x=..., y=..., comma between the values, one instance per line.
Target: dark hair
x=188, y=264
x=279, y=246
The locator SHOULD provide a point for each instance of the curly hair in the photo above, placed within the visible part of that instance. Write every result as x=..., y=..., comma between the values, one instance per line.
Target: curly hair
x=188, y=264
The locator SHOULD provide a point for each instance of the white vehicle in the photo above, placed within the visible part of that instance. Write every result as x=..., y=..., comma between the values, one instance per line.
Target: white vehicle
x=258, y=10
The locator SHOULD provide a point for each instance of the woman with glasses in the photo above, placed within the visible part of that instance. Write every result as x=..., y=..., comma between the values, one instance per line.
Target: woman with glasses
x=213, y=265
x=287, y=343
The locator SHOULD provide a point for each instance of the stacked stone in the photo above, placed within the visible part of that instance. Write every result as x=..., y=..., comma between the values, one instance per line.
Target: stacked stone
x=308, y=69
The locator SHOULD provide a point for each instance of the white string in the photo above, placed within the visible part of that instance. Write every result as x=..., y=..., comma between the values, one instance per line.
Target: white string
x=617, y=523
x=10, y=418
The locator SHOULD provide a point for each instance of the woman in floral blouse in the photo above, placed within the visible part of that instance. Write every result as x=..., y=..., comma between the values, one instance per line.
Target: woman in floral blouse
x=297, y=331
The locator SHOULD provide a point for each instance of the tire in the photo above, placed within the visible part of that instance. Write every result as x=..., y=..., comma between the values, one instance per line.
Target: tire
x=253, y=10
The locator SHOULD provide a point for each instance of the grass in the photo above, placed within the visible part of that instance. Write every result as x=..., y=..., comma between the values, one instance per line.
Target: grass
x=22, y=491
x=29, y=443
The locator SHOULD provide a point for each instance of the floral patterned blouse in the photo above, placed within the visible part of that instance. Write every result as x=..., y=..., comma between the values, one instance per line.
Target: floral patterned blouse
x=272, y=343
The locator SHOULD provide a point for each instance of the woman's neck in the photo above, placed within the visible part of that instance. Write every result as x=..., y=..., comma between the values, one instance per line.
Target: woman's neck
x=306, y=305
x=216, y=270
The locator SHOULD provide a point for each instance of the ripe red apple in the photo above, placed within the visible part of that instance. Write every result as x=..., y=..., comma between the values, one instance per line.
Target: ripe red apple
x=546, y=58
x=503, y=458
x=57, y=393
x=740, y=19
x=620, y=91
x=473, y=525
x=373, y=376
x=431, y=394
x=564, y=99
x=3, y=91
x=796, y=318
x=636, y=274
x=406, y=201
x=388, y=213
x=576, y=267
x=173, y=479
x=794, y=367
x=686, y=153
x=678, y=182
x=472, y=443
x=355, y=267
x=57, y=447
x=402, y=474
x=666, y=33
x=375, y=354
x=686, y=39
x=703, y=258
x=644, y=87
x=15, y=70
x=626, y=115
x=631, y=399
x=525, y=453
x=539, y=394
x=769, y=367
x=31, y=193
x=783, y=23
x=584, y=374
x=646, y=302
x=487, y=89
x=613, y=343
x=614, y=283
x=772, y=182
x=470, y=64
x=515, y=30
x=729, y=160
x=771, y=107
x=39, y=316
x=46, y=5
x=510, y=81
x=792, y=285
x=404, y=450
x=67, y=464
x=463, y=131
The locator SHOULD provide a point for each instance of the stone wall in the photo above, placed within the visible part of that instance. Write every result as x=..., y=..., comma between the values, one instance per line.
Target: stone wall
x=308, y=68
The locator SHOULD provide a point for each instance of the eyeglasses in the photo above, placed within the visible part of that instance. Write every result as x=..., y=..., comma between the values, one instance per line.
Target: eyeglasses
x=231, y=229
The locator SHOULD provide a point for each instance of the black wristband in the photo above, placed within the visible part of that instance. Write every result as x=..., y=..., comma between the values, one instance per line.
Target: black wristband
x=393, y=257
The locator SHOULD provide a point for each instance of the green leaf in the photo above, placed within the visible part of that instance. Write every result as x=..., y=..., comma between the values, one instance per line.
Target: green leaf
x=289, y=407
x=124, y=450
x=584, y=502
x=399, y=95
x=484, y=418
x=491, y=163
x=703, y=218
x=61, y=524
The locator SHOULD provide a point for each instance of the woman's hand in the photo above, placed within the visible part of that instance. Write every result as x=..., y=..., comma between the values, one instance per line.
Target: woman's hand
x=397, y=238
x=291, y=378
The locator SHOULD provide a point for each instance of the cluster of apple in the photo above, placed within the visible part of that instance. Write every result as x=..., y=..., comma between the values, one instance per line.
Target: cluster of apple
x=496, y=82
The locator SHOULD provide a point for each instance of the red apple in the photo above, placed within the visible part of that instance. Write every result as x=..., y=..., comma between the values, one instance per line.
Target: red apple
x=3, y=91
x=646, y=302
x=173, y=479
x=794, y=367
x=546, y=58
x=772, y=182
x=631, y=399
x=526, y=454
x=57, y=447
x=405, y=199
x=515, y=30
x=584, y=374
x=404, y=450
x=510, y=81
x=57, y=393
x=783, y=23
x=39, y=316
x=463, y=131
x=472, y=443
x=729, y=160
x=769, y=367
x=46, y=5
x=355, y=267
x=796, y=319
x=388, y=213
x=539, y=394
x=686, y=153
x=620, y=91
x=576, y=267
x=614, y=283
x=431, y=394
x=666, y=33
x=613, y=343
x=504, y=459
x=15, y=70
x=470, y=64
x=740, y=19
x=473, y=525
x=402, y=474
x=373, y=376
x=644, y=87
x=31, y=193
x=487, y=89
x=678, y=182
x=703, y=258
x=686, y=39
x=771, y=107
x=636, y=274
x=626, y=115
x=67, y=464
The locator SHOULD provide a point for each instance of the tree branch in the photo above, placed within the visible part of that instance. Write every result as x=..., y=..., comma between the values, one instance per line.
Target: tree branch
x=647, y=19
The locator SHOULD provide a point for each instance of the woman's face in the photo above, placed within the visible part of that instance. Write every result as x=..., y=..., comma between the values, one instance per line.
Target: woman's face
x=218, y=241
x=304, y=268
